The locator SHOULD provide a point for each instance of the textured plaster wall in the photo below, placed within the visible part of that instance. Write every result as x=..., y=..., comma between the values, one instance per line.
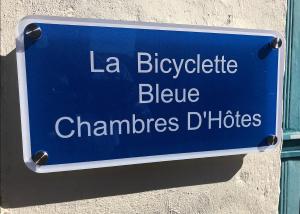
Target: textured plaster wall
x=241, y=184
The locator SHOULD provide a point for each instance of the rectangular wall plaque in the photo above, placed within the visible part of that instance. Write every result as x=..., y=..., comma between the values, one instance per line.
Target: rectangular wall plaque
x=97, y=93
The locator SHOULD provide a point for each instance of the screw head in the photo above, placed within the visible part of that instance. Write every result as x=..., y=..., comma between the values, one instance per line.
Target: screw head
x=276, y=43
x=33, y=31
x=40, y=158
x=272, y=139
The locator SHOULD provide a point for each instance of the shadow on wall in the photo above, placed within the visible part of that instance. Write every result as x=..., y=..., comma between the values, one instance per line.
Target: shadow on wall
x=21, y=187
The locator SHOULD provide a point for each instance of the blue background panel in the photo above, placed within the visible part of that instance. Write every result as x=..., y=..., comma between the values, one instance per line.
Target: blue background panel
x=59, y=83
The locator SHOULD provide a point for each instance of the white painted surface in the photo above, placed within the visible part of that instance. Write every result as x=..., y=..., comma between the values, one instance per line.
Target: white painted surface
x=253, y=189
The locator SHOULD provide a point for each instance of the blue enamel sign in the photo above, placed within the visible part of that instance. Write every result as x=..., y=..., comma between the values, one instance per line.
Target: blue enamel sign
x=102, y=93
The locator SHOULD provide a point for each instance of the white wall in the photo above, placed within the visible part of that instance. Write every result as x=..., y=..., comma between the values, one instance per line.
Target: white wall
x=235, y=184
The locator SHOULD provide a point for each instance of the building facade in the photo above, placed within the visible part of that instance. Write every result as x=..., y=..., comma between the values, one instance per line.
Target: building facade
x=233, y=184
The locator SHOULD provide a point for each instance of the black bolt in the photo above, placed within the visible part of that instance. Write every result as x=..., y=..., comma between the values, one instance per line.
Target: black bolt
x=276, y=43
x=40, y=158
x=271, y=140
x=33, y=31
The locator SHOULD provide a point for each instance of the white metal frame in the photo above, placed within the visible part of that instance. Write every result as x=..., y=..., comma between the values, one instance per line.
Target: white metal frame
x=25, y=126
